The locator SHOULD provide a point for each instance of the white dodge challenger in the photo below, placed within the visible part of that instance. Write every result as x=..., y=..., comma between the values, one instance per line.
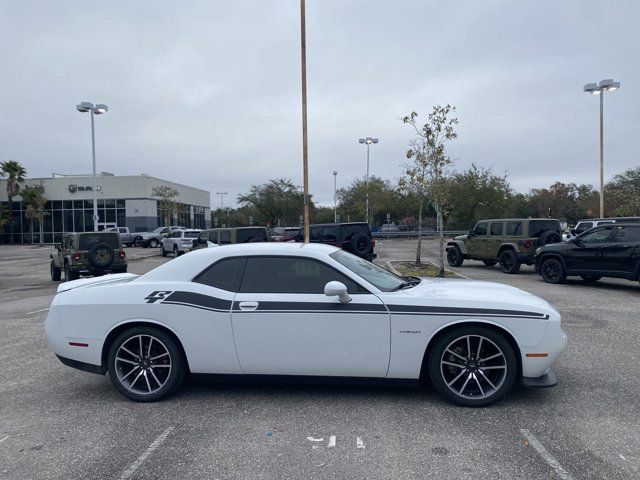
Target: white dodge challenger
x=291, y=311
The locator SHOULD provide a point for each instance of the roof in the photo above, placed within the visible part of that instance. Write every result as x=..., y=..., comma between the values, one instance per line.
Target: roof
x=517, y=219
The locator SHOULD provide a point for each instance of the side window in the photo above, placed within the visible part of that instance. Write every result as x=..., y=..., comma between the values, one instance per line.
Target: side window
x=481, y=229
x=213, y=237
x=122, y=230
x=329, y=234
x=599, y=235
x=225, y=274
x=496, y=228
x=584, y=226
x=627, y=235
x=224, y=237
x=514, y=228
x=291, y=275
x=315, y=234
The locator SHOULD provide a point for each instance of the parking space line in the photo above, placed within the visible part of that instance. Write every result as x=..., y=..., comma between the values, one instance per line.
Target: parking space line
x=359, y=442
x=546, y=456
x=128, y=473
x=37, y=311
x=3, y=439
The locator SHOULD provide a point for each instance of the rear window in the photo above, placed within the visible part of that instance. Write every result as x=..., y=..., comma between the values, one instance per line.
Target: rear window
x=88, y=240
x=348, y=231
x=251, y=234
x=627, y=234
x=191, y=234
x=538, y=227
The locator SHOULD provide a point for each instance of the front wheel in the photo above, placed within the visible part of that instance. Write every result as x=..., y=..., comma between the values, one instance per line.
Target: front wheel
x=164, y=252
x=473, y=366
x=145, y=364
x=552, y=271
x=55, y=272
x=153, y=243
x=509, y=262
x=454, y=256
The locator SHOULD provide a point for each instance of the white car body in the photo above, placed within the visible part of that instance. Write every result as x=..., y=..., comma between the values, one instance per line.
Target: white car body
x=179, y=241
x=381, y=335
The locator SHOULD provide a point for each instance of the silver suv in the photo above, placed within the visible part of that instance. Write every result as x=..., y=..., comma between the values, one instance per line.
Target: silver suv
x=179, y=242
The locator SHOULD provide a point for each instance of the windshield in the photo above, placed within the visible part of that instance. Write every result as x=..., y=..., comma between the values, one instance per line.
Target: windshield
x=158, y=230
x=191, y=234
x=372, y=273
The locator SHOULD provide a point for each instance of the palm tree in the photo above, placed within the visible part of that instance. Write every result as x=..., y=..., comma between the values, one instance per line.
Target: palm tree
x=34, y=201
x=15, y=174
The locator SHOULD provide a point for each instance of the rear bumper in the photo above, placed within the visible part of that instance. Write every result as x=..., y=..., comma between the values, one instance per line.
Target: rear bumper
x=545, y=381
x=85, y=367
x=526, y=258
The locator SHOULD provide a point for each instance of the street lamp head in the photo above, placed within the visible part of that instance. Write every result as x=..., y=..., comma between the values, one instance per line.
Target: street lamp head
x=609, y=84
x=374, y=140
x=100, y=109
x=361, y=140
x=592, y=88
x=335, y=172
x=84, y=107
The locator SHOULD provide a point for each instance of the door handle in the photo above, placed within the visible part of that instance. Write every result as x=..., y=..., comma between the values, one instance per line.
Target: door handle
x=248, y=306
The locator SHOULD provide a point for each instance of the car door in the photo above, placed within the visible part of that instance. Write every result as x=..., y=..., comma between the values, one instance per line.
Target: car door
x=493, y=243
x=284, y=324
x=476, y=243
x=620, y=253
x=587, y=256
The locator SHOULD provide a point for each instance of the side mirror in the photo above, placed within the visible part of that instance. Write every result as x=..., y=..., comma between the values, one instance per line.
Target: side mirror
x=471, y=233
x=337, y=289
x=573, y=232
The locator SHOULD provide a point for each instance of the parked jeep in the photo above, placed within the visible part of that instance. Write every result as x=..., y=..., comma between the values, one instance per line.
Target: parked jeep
x=88, y=253
x=227, y=236
x=509, y=242
x=354, y=237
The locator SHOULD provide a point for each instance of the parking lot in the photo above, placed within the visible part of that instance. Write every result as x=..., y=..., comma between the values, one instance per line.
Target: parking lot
x=56, y=422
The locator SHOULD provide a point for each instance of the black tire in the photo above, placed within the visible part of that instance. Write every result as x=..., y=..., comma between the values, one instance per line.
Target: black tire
x=56, y=273
x=509, y=262
x=101, y=255
x=454, y=256
x=477, y=391
x=70, y=274
x=175, y=251
x=489, y=263
x=590, y=278
x=549, y=237
x=552, y=270
x=153, y=243
x=163, y=251
x=162, y=343
x=360, y=244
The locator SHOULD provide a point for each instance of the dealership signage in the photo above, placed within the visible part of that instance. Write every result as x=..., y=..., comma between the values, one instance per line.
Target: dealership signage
x=80, y=188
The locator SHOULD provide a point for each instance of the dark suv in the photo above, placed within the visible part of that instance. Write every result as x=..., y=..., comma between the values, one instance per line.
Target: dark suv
x=88, y=253
x=352, y=237
x=610, y=250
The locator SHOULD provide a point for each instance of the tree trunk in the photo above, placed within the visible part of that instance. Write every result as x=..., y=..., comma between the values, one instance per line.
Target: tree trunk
x=441, y=235
x=419, y=249
x=10, y=202
x=41, y=221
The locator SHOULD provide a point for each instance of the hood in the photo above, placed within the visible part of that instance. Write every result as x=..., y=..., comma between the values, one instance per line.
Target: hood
x=470, y=294
x=106, y=279
x=461, y=237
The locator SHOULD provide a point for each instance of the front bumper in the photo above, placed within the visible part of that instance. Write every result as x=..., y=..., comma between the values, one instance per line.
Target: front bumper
x=545, y=381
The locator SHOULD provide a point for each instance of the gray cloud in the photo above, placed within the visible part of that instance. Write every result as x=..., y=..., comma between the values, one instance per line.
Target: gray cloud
x=208, y=93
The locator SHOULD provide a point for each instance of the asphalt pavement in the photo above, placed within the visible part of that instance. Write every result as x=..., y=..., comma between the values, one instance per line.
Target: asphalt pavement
x=60, y=423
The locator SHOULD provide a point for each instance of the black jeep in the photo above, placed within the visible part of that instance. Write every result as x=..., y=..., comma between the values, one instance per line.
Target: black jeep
x=353, y=237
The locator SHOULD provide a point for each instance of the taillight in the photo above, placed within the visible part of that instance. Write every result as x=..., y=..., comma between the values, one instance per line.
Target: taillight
x=373, y=242
x=122, y=254
x=527, y=244
x=76, y=256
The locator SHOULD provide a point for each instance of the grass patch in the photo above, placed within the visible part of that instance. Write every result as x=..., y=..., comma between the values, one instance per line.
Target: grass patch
x=424, y=270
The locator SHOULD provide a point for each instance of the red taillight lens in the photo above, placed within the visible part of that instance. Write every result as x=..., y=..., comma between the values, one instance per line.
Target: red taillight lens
x=122, y=254
x=76, y=256
x=373, y=242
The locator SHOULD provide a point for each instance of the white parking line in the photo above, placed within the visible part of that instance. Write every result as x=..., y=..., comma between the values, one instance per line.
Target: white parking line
x=3, y=439
x=546, y=456
x=128, y=473
x=359, y=442
x=332, y=441
x=37, y=311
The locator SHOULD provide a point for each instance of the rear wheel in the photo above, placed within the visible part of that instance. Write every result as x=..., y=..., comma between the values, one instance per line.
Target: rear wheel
x=454, y=256
x=509, y=262
x=164, y=252
x=489, y=263
x=473, y=366
x=55, y=272
x=145, y=364
x=175, y=250
x=70, y=274
x=590, y=278
x=552, y=271
x=153, y=243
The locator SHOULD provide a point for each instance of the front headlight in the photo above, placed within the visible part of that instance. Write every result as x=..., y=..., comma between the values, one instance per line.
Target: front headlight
x=538, y=250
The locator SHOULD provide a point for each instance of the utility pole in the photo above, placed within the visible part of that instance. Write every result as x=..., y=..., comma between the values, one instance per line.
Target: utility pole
x=305, y=165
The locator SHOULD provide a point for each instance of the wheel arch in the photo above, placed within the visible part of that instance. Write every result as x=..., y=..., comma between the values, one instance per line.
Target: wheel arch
x=544, y=256
x=501, y=329
x=507, y=246
x=121, y=327
x=458, y=243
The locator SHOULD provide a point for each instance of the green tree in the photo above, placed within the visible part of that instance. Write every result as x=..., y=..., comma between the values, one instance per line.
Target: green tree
x=15, y=175
x=622, y=194
x=382, y=199
x=278, y=201
x=426, y=174
x=167, y=203
x=35, y=201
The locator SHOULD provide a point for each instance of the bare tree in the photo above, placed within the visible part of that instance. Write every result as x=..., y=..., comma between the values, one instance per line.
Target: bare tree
x=166, y=202
x=425, y=174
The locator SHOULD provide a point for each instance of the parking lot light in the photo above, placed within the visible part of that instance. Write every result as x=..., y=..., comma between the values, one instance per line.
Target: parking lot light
x=367, y=141
x=99, y=109
x=599, y=89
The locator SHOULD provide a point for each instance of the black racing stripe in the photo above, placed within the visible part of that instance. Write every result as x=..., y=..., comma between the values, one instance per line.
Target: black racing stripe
x=198, y=300
x=418, y=309
x=196, y=306
x=314, y=306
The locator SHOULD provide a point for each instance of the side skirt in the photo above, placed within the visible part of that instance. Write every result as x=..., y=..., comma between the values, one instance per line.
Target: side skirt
x=306, y=380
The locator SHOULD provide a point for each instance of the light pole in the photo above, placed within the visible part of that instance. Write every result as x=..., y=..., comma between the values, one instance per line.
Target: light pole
x=335, y=196
x=599, y=89
x=368, y=141
x=222, y=194
x=98, y=109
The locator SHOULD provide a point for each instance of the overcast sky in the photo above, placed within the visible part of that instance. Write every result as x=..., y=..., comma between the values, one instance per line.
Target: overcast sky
x=208, y=93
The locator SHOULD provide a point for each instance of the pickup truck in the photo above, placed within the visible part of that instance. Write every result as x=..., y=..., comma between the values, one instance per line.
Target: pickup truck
x=126, y=237
x=154, y=238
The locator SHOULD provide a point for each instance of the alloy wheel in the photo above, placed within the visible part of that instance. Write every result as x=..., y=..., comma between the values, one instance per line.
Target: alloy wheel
x=143, y=364
x=473, y=367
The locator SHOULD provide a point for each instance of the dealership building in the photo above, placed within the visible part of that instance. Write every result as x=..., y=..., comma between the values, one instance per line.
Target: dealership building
x=123, y=201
